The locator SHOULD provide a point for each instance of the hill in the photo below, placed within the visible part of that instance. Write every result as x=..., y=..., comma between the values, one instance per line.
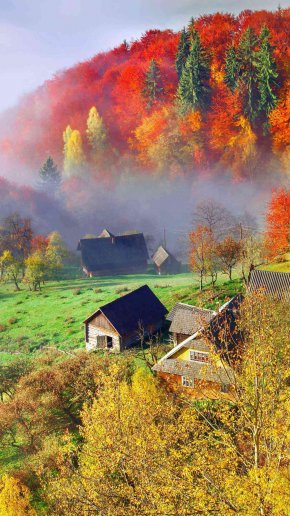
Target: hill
x=140, y=127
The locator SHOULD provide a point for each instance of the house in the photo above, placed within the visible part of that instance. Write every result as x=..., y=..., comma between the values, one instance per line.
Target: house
x=165, y=262
x=190, y=365
x=186, y=320
x=109, y=254
x=117, y=325
x=276, y=284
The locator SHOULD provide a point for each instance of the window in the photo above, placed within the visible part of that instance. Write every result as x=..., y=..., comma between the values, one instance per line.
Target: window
x=224, y=387
x=198, y=356
x=187, y=382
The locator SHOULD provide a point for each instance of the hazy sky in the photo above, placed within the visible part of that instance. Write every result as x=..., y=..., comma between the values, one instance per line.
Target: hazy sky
x=40, y=37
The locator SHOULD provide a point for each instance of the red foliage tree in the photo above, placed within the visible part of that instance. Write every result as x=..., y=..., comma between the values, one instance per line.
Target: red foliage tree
x=277, y=235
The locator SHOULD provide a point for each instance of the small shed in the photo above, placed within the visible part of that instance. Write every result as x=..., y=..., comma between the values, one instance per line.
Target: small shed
x=117, y=325
x=165, y=262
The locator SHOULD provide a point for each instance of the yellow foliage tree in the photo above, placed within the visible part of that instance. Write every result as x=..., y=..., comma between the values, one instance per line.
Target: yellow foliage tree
x=96, y=133
x=74, y=157
x=241, y=150
x=14, y=498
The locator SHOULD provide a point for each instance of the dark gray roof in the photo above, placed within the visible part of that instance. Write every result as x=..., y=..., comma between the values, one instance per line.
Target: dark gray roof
x=187, y=319
x=161, y=255
x=112, y=251
x=199, y=370
x=127, y=312
x=276, y=284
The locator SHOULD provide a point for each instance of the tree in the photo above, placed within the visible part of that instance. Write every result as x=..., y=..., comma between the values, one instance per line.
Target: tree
x=49, y=175
x=231, y=68
x=266, y=75
x=228, y=252
x=11, y=268
x=74, y=157
x=17, y=236
x=182, y=52
x=277, y=234
x=15, y=498
x=37, y=269
x=153, y=88
x=214, y=216
x=10, y=374
x=193, y=90
x=248, y=73
x=96, y=133
x=201, y=247
x=55, y=253
x=250, y=254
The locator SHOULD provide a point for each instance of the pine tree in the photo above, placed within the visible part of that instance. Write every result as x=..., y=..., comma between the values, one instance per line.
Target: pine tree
x=182, y=52
x=193, y=89
x=266, y=74
x=49, y=174
x=231, y=68
x=153, y=88
x=248, y=73
x=96, y=133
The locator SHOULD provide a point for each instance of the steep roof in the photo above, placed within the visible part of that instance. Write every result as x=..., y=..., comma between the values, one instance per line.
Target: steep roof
x=276, y=284
x=161, y=255
x=127, y=312
x=112, y=251
x=187, y=319
x=201, y=371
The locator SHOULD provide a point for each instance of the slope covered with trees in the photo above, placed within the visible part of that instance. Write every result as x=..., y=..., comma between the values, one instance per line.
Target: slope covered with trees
x=208, y=99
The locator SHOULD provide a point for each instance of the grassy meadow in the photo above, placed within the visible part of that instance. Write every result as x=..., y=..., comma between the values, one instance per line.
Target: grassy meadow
x=30, y=321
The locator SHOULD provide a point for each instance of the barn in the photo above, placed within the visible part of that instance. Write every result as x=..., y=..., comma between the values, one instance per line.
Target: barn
x=109, y=254
x=117, y=325
x=186, y=320
x=165, y=262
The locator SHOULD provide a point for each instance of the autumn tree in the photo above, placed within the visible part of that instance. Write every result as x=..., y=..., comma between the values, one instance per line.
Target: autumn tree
x=193, y=89
x=201, y=247
x=214, y=216
x=10, y=268
x=183, y=50
x=228, y=252
x=74, y=157
x=153, y=88
x=277, y=235
x=96, y=133
x=15, y=498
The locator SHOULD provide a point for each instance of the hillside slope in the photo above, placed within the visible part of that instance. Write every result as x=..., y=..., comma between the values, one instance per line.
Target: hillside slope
x=156, y=137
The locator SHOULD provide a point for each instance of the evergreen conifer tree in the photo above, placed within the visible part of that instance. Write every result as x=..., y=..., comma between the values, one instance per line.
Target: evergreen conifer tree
x=194, y=89
x=49, y=174
x=266, y=74
x=231, y=68
x=153, y=88
x=248, y=73
x=182, y=52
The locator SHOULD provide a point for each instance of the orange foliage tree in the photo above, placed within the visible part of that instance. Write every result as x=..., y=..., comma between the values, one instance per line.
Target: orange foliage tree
x=277, y=235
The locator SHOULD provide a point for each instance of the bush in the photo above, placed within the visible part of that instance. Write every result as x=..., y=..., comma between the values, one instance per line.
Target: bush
x=2, y=327
x=120, y=290
x=12, y=320
x=97, y=290
x=77, y=292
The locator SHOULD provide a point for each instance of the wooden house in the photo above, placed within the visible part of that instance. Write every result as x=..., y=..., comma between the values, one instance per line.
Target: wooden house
x=165, y=262
x=117, y=325
x=186, y=320
x=110, y=254
x=275, y=284
x=190, y=366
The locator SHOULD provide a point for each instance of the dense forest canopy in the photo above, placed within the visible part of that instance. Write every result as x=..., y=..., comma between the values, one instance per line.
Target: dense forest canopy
x=208, y=99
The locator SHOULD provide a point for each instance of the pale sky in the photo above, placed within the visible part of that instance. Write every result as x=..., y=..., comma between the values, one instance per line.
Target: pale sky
x=40, y=37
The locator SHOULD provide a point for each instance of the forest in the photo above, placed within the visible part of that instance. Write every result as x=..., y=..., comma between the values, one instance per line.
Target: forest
x=208, y=100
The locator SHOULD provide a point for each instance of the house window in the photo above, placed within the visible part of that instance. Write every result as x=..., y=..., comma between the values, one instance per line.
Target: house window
x=187, y=382
x=198, y=356
x=224, y=387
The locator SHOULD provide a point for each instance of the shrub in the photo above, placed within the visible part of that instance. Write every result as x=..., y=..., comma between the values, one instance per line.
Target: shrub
x=77, y=292
x=2, y=327
x=12, y=320
x=97, y=290
x=120, y=290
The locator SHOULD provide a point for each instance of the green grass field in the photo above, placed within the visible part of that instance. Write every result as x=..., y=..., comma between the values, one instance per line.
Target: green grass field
x=54, y=316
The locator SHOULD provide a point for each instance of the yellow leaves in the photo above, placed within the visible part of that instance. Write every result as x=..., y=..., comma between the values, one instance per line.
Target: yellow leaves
x=74, y=157
x=14, y=498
